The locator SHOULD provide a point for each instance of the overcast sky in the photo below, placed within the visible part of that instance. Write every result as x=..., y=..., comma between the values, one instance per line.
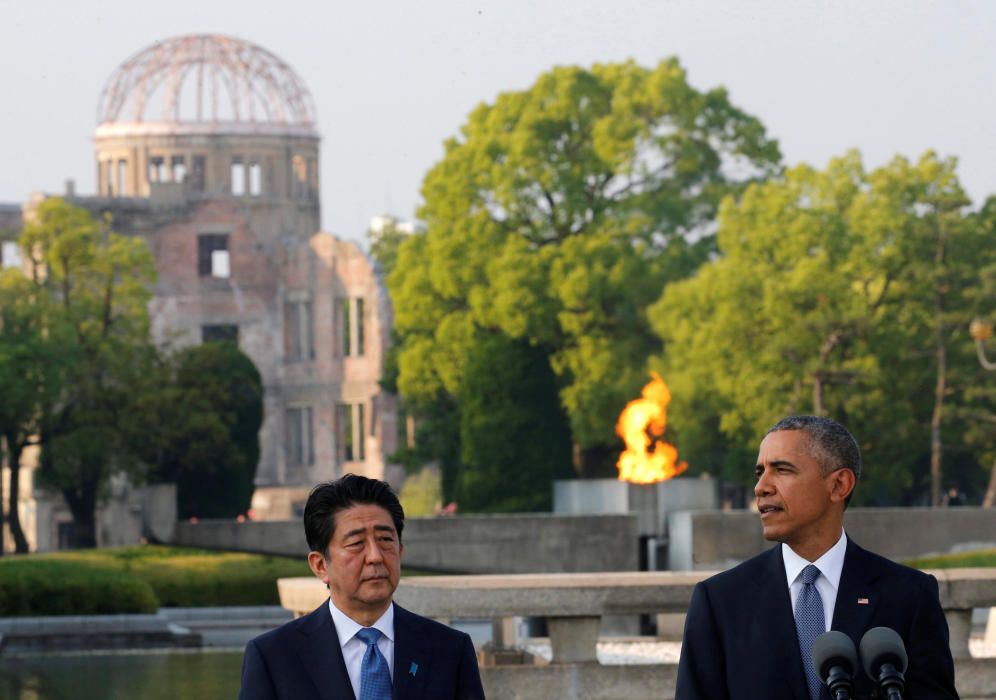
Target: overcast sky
x=391, y=79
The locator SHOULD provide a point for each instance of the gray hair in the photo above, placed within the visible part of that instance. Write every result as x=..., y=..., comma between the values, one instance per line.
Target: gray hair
x=831, y=443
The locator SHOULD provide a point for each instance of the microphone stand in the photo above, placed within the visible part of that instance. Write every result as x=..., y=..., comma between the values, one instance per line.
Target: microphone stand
x=891, y=681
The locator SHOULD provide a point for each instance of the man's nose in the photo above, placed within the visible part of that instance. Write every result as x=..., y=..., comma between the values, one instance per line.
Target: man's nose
x=374, y=555
x=763, y=486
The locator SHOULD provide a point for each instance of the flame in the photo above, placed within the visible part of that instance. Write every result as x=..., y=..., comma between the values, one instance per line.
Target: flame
x=641, y=425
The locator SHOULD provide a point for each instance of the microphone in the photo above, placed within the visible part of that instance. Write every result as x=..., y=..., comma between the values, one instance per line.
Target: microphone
x=883, y=656
x=836, y=662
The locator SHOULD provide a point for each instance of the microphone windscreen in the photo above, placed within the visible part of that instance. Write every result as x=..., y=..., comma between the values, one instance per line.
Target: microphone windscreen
x=882, y=645
x=834, y=649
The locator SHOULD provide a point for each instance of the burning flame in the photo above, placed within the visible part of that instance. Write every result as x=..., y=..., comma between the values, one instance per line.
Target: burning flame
x=641, y=425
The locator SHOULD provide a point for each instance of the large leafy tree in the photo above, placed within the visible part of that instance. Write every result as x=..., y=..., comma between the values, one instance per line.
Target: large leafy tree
x=555, y=217
x=199, y=428
x=836, y=292
x=31, y=373
x=95, y=285
x=514, y=435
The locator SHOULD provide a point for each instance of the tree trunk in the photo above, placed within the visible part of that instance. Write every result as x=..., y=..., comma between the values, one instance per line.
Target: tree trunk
x=818, y=409
x=936, y=445
x=987, y=502
x=941, y=350
x=1, y=497
x=14, y=449
x=82, y=502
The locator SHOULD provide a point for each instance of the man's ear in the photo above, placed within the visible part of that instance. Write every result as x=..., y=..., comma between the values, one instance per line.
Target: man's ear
x=319, y=566
x=842, y=485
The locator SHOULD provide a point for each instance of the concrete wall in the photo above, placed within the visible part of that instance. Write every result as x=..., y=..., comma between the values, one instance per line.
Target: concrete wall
x=706, y=540
x=473, y=544
x=128, y=515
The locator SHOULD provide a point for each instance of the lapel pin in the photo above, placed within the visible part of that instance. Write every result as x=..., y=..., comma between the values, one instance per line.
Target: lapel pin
x=413, y=669
x=862, y=601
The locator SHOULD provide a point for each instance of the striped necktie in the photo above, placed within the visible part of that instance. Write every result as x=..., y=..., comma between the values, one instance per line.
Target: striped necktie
x=810, y=624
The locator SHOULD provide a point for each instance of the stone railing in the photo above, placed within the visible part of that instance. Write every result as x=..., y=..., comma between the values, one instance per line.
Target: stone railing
x=574, y=604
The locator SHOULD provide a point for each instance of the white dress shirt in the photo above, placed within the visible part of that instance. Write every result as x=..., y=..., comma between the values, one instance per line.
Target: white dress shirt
x=353, y=649
x=831, y=564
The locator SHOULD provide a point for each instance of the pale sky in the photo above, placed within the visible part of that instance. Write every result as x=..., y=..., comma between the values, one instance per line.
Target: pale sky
x=392, y=79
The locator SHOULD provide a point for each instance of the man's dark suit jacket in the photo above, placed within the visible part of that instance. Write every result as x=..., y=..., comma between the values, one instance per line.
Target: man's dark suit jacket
x=740, y=638
x=302, y=660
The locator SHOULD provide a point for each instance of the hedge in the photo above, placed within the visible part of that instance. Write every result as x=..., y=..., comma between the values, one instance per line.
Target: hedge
x=29, y=586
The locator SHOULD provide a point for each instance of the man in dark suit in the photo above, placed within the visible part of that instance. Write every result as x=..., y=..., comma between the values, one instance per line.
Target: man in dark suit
x=359, y=645
x=750, y=629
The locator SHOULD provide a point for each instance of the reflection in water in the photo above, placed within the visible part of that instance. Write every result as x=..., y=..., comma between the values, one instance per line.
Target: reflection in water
x=197, y=675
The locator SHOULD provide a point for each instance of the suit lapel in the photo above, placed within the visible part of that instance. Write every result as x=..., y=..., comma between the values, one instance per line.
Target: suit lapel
x=322, y=656
x=778, y=628
x=411, y=656
x=856, y=597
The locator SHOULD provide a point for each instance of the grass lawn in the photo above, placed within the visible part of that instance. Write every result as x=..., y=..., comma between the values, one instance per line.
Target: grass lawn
x=978, y=558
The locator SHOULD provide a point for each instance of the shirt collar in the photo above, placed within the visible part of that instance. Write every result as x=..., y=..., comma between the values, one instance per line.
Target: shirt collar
x=346, y=627
x=831, y=564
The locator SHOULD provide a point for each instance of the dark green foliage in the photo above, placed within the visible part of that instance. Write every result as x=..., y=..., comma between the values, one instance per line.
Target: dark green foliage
x=139, y=579
x=33, y=585
x=514, y=435
x=206, y=436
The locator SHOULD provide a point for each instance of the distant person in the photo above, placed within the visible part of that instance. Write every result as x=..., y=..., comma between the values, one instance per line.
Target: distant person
x=359, y=645
x=954, y=497
x=749, y=630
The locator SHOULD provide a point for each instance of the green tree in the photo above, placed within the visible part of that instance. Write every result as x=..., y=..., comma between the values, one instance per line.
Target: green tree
x=384, y=244
x=96, y=288
x=514, y=436
x=31, y=373
x=828, y=290
x=199, y=428
x=555, y=217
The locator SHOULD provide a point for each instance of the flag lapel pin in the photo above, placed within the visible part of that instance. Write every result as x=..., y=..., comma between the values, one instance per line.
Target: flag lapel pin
x=862, y=601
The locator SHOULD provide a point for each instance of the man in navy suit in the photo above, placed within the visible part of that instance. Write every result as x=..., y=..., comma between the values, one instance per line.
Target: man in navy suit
x=746, y=626
x=359, y=645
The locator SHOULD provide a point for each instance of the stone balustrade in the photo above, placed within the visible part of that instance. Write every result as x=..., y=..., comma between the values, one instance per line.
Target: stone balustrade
x=574, y=604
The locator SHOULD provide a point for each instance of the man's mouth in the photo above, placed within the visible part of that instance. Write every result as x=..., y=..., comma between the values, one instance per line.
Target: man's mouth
x=768, y=509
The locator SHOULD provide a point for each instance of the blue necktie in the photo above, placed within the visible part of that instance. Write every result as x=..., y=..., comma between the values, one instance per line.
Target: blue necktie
x=375, y=678
x=810, y=624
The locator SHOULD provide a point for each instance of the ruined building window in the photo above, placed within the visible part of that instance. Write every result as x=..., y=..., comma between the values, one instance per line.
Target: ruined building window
x=178, y=165
x=122, y=175
x=157, y=169
x=300, y=437
x=345, y=326
x=255, y=179
x=10, y=254
x=212, y=255
x=298, y=332
x=238, y=177
x=351, y=327
x=198, y=168
x=213, y=333
x=359, y=327
x=299, y=170
x=350, y=423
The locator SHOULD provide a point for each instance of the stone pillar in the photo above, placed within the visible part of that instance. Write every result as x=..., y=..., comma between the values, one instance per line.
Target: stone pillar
x=574, y=640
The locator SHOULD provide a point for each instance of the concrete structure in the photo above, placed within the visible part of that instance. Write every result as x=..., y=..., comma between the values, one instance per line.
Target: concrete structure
x=574, y=604
x=206, y=148
x=719, y=539
x=650, y=502
x=524, y=543
x=127, y=515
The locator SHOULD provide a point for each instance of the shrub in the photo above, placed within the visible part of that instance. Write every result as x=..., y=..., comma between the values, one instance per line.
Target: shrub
x=35, y=586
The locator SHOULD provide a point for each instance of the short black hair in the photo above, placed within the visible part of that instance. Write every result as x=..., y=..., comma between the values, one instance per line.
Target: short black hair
x=330, y=497
x=831, y=443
